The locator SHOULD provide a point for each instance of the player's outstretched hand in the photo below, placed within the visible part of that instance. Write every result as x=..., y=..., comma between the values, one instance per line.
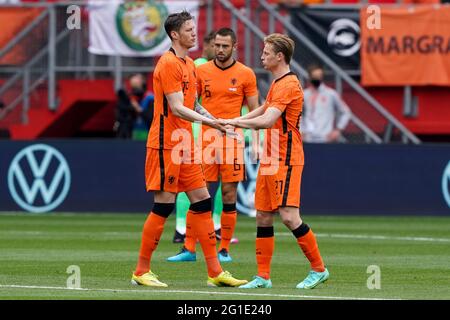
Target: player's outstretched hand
x=216, y=125
x=230, y=128
x=227, y=122
x=227, y=128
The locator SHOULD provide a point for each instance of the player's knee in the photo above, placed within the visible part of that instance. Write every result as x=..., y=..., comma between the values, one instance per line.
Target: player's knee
x=163, y=209
x=201, y=206
x=264, y=219
x=229, y=197
x=290, y=220
x=229, y=193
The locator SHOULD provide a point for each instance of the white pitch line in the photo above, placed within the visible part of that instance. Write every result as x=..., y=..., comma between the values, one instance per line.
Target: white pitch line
x=323, y=235
x=371, y=237
x=157, y=291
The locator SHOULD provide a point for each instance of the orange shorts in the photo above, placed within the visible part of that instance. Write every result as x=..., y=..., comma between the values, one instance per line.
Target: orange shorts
x=281, y=189
x=227, y=172
x=228, y=165
x=162, y=174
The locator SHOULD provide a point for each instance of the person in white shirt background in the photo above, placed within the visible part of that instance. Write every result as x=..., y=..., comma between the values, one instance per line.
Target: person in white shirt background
x=325, y=114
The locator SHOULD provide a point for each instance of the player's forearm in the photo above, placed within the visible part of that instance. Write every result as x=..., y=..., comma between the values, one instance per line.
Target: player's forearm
x=253, y=114
x=201, y=110
x=176, y=103
x=259, y=122
x=264, y=121
x=190, y=115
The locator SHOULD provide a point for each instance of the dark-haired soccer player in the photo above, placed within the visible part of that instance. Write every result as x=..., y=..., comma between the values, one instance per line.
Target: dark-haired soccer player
x=174, y=84
x=223, y=85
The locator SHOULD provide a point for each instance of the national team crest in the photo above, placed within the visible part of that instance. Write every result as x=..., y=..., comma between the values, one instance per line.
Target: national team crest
x=141, y=23
x=233, y=81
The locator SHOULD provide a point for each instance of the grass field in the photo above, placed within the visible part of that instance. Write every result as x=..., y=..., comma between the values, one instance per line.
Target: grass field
x=412, y=253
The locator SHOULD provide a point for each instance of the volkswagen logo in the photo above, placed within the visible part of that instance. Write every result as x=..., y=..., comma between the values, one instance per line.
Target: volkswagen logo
x=39, y=178
x=446, y=184
x=343, y=37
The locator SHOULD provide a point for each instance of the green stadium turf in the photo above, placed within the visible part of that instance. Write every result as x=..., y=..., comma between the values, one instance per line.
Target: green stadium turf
x=413, y=254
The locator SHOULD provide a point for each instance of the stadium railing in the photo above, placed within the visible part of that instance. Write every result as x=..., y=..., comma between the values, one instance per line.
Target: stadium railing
x=64, y=54
x=371, y=105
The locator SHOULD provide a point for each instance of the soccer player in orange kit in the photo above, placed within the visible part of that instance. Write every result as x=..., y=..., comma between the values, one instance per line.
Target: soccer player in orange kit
x=174, y=84
x=223, y=85
x=279, y=177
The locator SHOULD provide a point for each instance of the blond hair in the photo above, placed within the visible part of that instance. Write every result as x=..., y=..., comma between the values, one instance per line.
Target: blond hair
x=281, y=43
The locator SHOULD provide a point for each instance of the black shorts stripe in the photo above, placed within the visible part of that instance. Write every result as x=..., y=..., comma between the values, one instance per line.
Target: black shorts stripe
x=289, y=149
x=284, y=121
x=161, y=152
x=286, y=186
x=165, y=107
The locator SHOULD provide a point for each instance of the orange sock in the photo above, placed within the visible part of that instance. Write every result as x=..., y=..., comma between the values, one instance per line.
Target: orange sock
x=203, y=227
x=228, y=224
x=153, y=228
x=308, y=244
x=189, y=240
x=265, y=245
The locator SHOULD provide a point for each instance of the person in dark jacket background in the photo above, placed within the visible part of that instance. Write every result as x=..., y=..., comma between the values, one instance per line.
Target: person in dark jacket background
x=134, y=112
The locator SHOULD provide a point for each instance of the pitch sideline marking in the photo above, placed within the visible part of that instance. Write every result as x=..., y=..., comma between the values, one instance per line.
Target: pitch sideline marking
x=323, y=235
x=192, y=291
x=371, y=237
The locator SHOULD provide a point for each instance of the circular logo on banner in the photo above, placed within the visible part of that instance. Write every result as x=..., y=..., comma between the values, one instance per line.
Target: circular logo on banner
x=446, y=184
x=39, y=178
x=343, y=37
x=140, y=24
x=246, y=189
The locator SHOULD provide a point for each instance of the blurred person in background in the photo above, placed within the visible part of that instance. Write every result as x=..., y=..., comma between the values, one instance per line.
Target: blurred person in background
x=134, y=113
x=208, y=49
x=325, y=114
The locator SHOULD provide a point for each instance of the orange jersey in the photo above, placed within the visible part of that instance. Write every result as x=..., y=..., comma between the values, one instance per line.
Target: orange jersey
x=286, y=95
x=172, y=74
x=223, y=90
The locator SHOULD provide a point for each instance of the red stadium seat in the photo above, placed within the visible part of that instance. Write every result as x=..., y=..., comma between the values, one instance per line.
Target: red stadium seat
x=357, y=1
x=344, y=1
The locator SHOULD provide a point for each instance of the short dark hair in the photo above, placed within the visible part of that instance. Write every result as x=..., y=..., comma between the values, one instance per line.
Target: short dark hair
x=175, y=20
x=210, y=36
x=224, y=32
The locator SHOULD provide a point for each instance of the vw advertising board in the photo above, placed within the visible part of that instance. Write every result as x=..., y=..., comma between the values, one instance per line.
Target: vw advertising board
x=108, y=176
